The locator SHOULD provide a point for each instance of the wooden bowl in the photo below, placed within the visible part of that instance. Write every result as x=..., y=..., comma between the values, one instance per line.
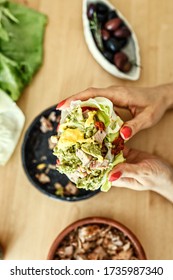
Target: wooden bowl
x=98, y=220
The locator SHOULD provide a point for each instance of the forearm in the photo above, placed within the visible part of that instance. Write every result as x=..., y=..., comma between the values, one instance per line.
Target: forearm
x=167, y=92
x=166, y=190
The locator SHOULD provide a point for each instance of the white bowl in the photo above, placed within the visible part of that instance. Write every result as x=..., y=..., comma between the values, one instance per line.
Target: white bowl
x=131, y=49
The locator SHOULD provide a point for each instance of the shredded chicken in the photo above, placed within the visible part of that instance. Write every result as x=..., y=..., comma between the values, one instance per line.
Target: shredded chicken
x=46, y=125
x=96, y=242
x=42, y=178
x=70, y=189
x=83, y=157
x=52, y=116
x=51, y=144
x=99, y=136
x=99, y=165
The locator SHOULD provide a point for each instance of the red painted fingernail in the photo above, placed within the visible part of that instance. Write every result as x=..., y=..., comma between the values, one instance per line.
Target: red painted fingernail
x=115, y=176
x=126, y=132
x=60, y=104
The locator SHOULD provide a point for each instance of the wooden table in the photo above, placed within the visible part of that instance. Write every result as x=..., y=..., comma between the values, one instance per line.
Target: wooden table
x=29, y=220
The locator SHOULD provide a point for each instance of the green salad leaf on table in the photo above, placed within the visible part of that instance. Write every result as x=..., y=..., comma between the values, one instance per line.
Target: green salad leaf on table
x=21, y=46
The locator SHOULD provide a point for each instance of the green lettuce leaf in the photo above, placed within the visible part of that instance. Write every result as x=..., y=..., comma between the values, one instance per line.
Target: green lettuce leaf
x=25, y=44
x=10, y=77
x=106, y=185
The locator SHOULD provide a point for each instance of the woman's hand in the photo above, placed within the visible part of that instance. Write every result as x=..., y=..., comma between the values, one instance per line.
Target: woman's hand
x=143, y=171
x=147, y=105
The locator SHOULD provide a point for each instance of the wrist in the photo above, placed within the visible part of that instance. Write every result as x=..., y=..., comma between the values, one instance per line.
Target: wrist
x=166, y=93
x=166, y=189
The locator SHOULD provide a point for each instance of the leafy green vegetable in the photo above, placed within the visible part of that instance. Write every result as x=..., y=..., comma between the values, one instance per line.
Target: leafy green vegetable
x=10, y=77
x=96, y=28
x=5, y=13
x=21, y=42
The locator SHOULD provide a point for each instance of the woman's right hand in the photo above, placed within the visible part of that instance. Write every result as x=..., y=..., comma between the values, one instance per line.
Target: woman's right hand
x=143, y=171
x=147, y=105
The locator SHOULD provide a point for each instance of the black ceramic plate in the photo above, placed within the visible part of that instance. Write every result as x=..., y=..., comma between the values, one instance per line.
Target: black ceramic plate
x=35, y=151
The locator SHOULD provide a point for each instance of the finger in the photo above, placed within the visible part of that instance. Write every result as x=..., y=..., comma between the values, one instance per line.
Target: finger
x=139, y=122
x=116, y=95
x=83, y=95
x=129, y=183
x=125, y=170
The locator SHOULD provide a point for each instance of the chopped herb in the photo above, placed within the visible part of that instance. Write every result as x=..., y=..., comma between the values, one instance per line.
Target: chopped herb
x=96, y=28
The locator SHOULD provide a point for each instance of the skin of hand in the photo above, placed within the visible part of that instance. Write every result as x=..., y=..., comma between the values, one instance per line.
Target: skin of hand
x=147, y=105
x=143, y=171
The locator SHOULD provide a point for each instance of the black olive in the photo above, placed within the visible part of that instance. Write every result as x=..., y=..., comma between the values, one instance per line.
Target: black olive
x=112, y=14
x=90, y=11
x=102, y=8
x=102, y=18
x=122, y=42
x=113, y=45
x=109, y=56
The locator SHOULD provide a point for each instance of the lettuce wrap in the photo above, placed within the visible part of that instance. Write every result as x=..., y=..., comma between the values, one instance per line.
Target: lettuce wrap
x=88, y=143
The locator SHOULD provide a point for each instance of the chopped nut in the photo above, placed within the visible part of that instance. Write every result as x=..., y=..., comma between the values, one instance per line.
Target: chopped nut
x=51, y=144
x=52, y=166
x=54, y=139
x=43, y=158
x=45, y=125
x=42, y=178
x=70, y=189
x=57, y=186
x=41, y=166
x=59, y=189
x=52, y=117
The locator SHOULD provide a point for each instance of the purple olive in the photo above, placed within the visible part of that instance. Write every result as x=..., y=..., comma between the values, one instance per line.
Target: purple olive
x=120, y=59
x=109, y=56
x=90, y=11
x=122, y=32
x=113, y=24
x=122, y=62
x=127, y=67
x=105, y=34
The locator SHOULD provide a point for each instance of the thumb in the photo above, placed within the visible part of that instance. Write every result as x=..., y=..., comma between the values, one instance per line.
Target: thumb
x=139, y=122
x=125, y=170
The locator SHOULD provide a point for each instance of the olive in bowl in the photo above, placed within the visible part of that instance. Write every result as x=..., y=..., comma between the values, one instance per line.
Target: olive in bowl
x=107, y=32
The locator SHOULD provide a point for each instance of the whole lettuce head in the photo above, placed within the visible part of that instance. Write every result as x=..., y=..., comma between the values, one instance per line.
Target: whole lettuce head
x=88, y=143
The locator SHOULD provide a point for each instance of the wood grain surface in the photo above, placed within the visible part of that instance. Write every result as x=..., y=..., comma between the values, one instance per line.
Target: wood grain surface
x=29, y=220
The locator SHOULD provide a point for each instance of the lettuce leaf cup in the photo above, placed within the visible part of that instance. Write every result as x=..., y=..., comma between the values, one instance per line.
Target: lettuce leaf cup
x=88, y=143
